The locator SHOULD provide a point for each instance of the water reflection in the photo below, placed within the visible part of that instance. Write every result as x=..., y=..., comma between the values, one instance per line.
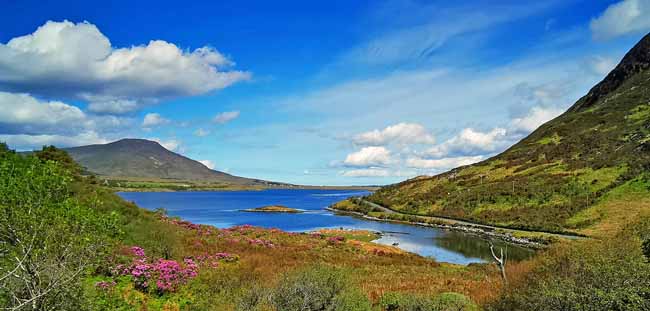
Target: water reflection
x=477, y=247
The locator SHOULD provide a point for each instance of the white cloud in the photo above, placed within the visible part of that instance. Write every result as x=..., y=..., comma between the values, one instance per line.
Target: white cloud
x=430, y=26
x=442, y=164
x=369, y=172
x=28, y=122
x=369, y=156
x=209, y=164
x=377, y=172
x=625, y=17
x=535, y=117
x=201, y=132
x=401, y=133
x=24, y=114
x=226, y=117
x=77, y=60
x=112, y=106
x=601, y=65
x=170, y=144
x=153, y=119
x=30, y=142
x=471, y=142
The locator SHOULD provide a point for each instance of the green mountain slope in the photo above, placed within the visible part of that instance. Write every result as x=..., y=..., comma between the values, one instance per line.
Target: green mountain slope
x=147, y=159
x=564, y=167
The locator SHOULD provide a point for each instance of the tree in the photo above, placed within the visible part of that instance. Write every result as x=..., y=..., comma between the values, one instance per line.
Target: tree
x=48, y=240
x=51, y=153
x=500, y=261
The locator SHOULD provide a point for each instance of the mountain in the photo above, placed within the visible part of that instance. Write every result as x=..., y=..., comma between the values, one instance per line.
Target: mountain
x=147, y=159
x=550, y=179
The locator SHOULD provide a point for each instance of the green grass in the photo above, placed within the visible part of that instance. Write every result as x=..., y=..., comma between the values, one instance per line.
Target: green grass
x=554, y=139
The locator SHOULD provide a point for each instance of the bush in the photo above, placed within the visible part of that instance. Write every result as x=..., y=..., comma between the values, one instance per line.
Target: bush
x=592, y=275
x=453, y=301
x=317, y=288
x=444, y=302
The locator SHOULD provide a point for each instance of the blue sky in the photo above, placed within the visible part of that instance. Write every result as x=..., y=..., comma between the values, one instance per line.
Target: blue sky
x=330, y=92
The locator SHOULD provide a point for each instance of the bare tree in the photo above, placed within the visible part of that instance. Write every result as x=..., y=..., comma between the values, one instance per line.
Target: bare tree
x=500, y=261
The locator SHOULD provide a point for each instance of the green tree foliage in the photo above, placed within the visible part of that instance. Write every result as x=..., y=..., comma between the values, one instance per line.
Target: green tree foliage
x=48, y=240
x=5, y=149
x=51, y=153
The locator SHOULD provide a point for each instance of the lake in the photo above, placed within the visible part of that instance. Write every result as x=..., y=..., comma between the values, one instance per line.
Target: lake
x=222, y=209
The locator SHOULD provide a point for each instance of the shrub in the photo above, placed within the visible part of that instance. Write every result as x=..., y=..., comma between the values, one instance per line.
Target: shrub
x=444, y=302
x=317, y=288
x=453, y=302
x=592, y=275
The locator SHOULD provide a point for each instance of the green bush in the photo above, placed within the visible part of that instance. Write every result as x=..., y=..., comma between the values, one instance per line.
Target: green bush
x=453, y=302
x=317, y=289
x=592, y=275
x=444, y=302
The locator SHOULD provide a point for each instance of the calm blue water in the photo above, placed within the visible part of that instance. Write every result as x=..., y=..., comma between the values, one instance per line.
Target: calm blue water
x=223, y=209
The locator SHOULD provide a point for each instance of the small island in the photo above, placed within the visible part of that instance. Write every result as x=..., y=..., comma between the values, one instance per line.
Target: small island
x=273, y=209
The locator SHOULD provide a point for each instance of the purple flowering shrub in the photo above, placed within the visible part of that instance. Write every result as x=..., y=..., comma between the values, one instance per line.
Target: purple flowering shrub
x=163, y=275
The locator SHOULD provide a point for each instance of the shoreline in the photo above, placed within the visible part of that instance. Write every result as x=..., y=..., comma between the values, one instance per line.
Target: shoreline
x=468, y=229
x=225, y=189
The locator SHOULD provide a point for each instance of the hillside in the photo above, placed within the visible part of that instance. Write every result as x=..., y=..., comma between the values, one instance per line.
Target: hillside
x=550, y=180
x=147, y=159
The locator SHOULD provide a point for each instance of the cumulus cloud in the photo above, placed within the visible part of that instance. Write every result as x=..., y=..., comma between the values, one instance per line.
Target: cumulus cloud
x=625, y=17
x=535, y=118
x=153, y=119
x=24, y=114
x=77, y=60
x=225, y=117
x=401, y=133
x=27, y=122
x=369, y=156
x=471, y=142
x=30, y=142
x=442, y=164
x=209, y=164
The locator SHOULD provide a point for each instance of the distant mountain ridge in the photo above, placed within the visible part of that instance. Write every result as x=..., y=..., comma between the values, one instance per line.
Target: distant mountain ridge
x=148, y=159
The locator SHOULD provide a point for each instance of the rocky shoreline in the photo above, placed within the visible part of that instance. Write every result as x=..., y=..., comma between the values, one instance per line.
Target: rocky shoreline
x=470, y=229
